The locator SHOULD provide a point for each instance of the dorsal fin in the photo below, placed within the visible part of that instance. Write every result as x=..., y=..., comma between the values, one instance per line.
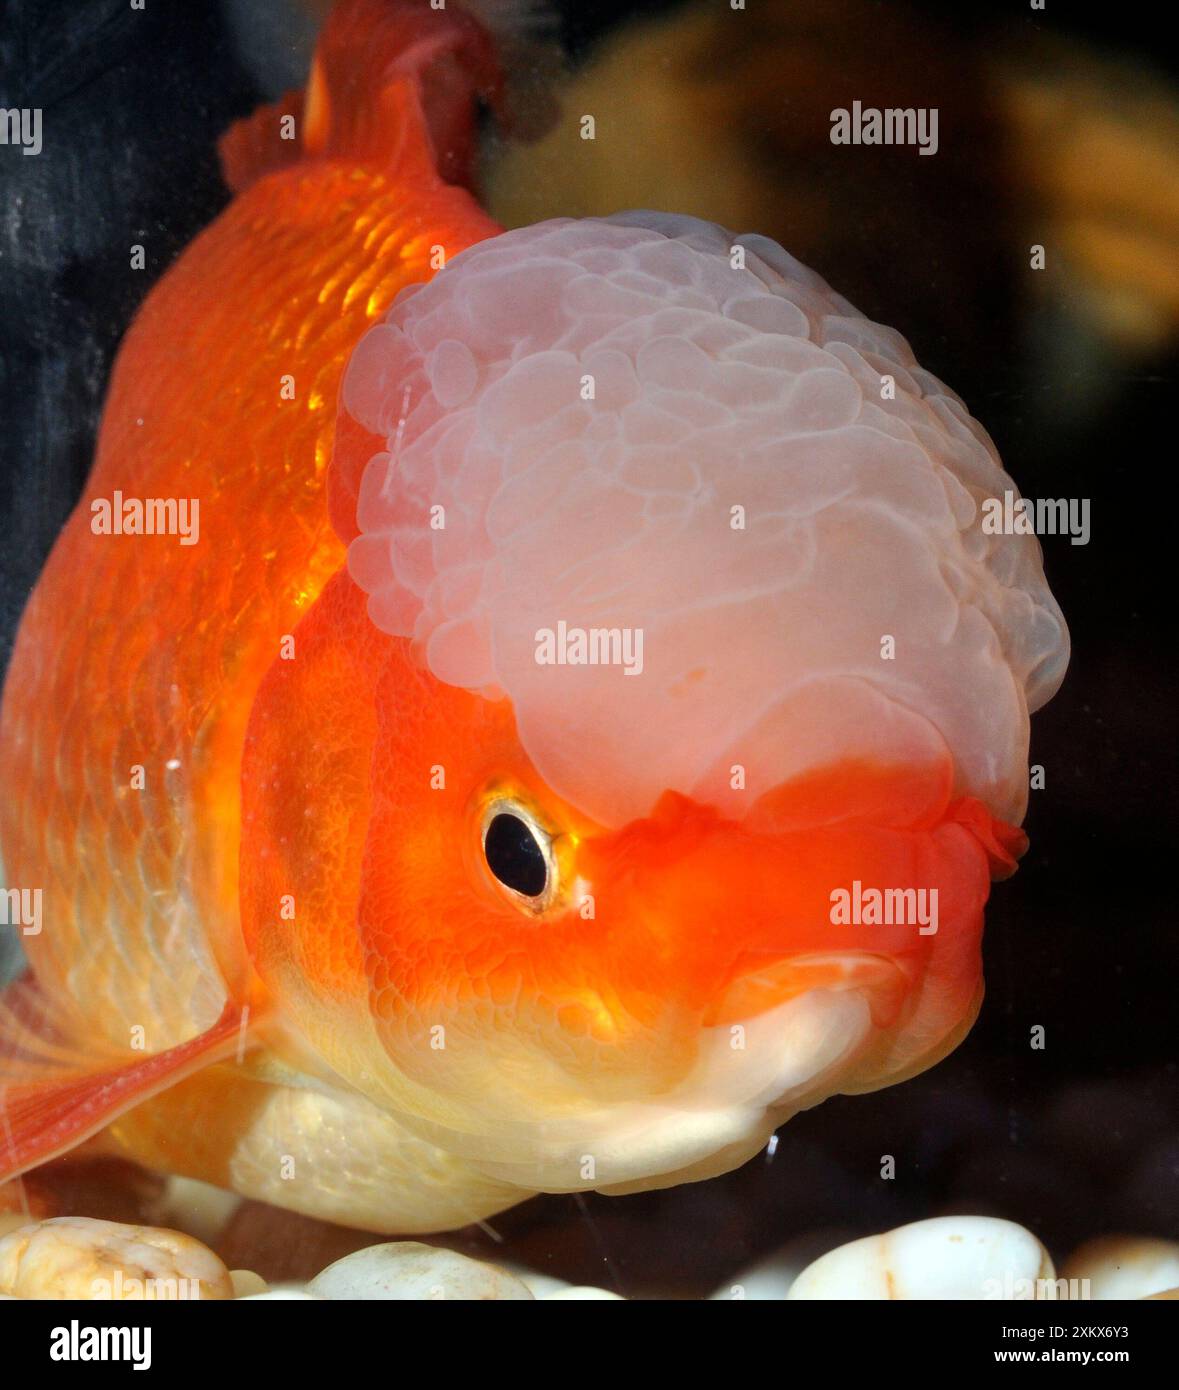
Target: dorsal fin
x=394, y=84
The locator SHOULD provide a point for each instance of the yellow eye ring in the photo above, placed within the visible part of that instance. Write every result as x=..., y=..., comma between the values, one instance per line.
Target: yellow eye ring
x=518, y=853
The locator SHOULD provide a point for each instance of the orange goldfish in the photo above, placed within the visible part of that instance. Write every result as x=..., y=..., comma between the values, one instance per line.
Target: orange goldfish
x=512, y=711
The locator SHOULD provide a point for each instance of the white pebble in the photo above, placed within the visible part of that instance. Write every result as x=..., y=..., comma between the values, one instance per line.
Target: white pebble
x=579, y=1293
x=538, y=1285
x=196, y=1207
x=280, y=1293
x=411, y=1270
x=949, y=1257
x=15, y=1221
x=247, y=1284
x=76, y=1257
x=1124, y=1266
x=770, y=1278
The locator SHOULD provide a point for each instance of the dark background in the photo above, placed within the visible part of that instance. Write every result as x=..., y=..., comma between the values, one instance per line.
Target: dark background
x=1077, y=1139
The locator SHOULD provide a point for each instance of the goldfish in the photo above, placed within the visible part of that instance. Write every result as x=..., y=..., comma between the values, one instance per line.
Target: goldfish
x=581, y=730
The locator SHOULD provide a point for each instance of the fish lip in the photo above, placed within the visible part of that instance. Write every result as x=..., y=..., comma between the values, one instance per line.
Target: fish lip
x=753, y=989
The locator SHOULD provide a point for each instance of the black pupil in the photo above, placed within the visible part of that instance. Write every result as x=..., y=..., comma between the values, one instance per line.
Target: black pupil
x=514, y=857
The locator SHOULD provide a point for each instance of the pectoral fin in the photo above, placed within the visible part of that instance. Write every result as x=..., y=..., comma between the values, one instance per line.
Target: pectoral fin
x=55, y=1092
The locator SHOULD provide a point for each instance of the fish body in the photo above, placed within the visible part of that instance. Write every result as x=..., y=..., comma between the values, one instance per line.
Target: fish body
x=139, y=652
x=354, y=904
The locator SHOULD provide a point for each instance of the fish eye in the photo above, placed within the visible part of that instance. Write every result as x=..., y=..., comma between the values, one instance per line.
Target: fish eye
x=518, y=851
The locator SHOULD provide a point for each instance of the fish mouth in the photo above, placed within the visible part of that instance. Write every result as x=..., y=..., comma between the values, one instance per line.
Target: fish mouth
x=757, y=986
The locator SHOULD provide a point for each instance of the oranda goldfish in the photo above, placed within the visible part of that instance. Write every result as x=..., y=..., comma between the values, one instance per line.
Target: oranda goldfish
x=581, y=730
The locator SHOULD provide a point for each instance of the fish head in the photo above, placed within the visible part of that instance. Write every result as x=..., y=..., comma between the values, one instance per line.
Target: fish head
x=648, y=998
x=725, y=682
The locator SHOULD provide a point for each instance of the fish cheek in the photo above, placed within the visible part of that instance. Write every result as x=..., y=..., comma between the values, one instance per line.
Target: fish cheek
x=463, y=982
x=426, y=910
